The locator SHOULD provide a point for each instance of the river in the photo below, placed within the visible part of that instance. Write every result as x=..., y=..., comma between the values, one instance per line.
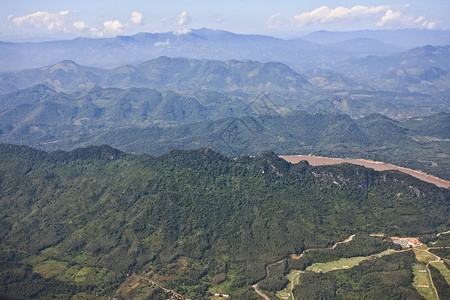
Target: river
x=376, y=165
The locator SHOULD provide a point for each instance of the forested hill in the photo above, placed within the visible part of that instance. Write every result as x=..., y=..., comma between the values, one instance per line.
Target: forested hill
x=418, y=143
x=191, y=215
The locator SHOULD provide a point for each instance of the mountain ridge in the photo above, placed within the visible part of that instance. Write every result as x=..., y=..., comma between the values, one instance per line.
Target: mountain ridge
x=161, y=73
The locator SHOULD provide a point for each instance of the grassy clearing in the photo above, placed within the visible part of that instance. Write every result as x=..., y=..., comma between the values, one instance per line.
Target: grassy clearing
x=90, y=275
x=294, y=279
x=443, y=270
x=422, y=281
x=34, y=260
x=69, y=273
x=386, y=252
x=343, y=263
x=50, y=268
x=223, y=288
x=421, y=247
x=85, y=259
x=423, y=256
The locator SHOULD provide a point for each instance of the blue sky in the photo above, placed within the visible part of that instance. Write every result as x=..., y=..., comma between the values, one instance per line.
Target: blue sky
x=102, y=18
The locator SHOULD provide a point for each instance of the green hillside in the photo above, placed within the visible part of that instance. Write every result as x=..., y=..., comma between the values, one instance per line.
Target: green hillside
x=419, y=143
x=79, y=222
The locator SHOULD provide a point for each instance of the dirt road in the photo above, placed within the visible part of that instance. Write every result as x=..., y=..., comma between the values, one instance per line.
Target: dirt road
x=255, y=286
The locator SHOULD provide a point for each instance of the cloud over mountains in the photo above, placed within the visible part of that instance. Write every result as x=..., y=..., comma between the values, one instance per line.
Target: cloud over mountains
x=383, y=16
x=65, y=21
x=75, y=22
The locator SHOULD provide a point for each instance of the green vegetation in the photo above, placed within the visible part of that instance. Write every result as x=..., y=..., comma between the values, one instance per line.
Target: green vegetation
x=442, y=286
x=275, y=279
x=360, y=245
x=152, y=122
x=49, y=268
x=443, y=269
x=196, y=220
x=423, y=256
x=343, y=263
x=441, y=252
x=422, y=281
x=294, y=280
x=443, y=241
x=386, y=277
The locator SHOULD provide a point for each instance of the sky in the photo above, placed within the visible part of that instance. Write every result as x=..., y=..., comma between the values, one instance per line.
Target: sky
x=62, y=19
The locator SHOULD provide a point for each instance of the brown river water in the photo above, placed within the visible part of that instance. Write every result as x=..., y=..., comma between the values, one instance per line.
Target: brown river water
x=376, y=165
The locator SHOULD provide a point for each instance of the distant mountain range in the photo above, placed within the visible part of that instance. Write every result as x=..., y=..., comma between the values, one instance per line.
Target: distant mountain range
x=163, y=73
x=300, y=54
x=419, y=70
x=425, y=69
x=403, y=38
x=199, y=44
x=365, y=46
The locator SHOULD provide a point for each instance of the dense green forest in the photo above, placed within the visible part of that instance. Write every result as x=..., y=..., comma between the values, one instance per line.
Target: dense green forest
x=80, y=221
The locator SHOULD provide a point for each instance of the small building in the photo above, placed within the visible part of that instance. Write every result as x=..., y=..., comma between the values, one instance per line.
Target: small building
x=414, y=242
x=406, y=242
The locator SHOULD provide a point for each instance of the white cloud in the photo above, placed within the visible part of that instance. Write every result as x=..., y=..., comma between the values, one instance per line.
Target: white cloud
x=325, y=14
x=429, y=25
x=137, y=18
x=80, y=25
x=42, y=19
x=158, y=44
x=42, y=22
x=389, y=16
x=183, y=18
x=112, y=27
x=181, y=31
x=95, y=32
x=393, y=18
x=274, y=21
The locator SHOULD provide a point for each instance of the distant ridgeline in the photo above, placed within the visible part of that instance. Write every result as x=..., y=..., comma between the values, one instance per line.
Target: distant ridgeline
x=76, y=223
x=142, y=120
